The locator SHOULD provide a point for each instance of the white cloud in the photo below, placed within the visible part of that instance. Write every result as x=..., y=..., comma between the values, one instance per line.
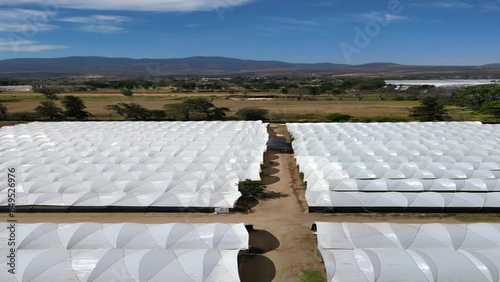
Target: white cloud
x=96, y=19
x=24, y=20
x=18, y=42
x=193, y=25
x=284, y=24
x=453, y=5
x=135, y=5
x=21, y=27
x=101, y=28
x=98, y=23
x=326, y=4
x=27, y=46
x=284, y=28
x=293, y=21
x=378, y=16
x=446, y=5
x=490, y=7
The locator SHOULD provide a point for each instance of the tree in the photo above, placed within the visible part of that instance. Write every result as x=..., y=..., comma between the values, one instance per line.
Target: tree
x=252, y=114
x=127, y=92
x=75, y=108
x=49, y=92
x=419, y=89
x=251, y=189
x=147, y=84
x=157, y=114
x=129, y=83
x=217, y=113
x=197, y=108
x=298, y=92
x=50, y=110
x=430, y=110
x=491, y=108
x=475, y=97
x=3, y=111
x=132, y=111
x=313, y=90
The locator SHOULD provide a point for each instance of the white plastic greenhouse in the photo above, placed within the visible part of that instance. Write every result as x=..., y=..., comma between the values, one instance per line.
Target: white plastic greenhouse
x=127, y=165
x=124, y=252
x=443, y=166
x=410, y=252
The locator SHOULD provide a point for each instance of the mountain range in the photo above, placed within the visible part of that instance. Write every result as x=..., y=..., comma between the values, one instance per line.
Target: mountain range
x=214, y=66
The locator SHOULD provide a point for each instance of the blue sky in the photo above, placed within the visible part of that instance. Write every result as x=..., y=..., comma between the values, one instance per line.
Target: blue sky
x=418, y=32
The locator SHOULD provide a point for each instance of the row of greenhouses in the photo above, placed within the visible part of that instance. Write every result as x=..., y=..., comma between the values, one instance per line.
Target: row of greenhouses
x=149, y=165
x=434, y=166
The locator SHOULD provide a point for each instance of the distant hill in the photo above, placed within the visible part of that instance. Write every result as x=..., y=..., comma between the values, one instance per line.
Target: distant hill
x=126, y=66
x=214, y=66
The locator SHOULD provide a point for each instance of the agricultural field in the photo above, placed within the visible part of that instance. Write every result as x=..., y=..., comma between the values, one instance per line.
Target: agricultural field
x=281, y=108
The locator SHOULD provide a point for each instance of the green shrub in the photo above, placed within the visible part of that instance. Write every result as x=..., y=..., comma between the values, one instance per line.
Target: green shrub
x=311, y=276
x=252, y=189
x=338, y=117
x=389, y=119
x=252, y=114
x=24, y=116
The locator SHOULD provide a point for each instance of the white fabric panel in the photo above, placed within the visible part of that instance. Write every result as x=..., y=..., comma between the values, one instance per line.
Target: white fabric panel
x=410, y=252
x=398, y=162
x=123, y=265
x=39, y=236
x=407, y=265
x=404, y=200
x=124, y=252
x=406, y=236
x=164, y=164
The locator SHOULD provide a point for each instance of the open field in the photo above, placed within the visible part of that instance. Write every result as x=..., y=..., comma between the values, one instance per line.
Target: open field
x=279, y=108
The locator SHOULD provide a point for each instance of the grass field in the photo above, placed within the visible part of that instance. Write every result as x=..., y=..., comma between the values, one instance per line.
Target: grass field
x=280, y=109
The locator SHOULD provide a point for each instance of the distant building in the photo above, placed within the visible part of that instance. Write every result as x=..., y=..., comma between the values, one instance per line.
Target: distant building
x=20, y=88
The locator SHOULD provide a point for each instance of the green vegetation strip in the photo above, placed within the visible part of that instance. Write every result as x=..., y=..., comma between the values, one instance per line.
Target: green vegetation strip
x=477, y=217
x=311, y=276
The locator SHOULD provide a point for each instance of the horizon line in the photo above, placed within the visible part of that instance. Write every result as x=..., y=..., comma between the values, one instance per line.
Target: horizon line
x=245, y=59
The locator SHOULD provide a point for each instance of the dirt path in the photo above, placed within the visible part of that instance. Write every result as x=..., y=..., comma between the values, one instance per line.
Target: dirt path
x=279, y=216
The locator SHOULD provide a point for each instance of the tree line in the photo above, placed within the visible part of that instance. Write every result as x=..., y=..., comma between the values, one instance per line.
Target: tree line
x=481, y=99
x=194, y=108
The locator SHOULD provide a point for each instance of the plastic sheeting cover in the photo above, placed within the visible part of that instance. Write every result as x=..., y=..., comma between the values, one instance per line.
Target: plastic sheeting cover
x=403, y=165
x=123, y=252
x=131, y=164
x=410, y=252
